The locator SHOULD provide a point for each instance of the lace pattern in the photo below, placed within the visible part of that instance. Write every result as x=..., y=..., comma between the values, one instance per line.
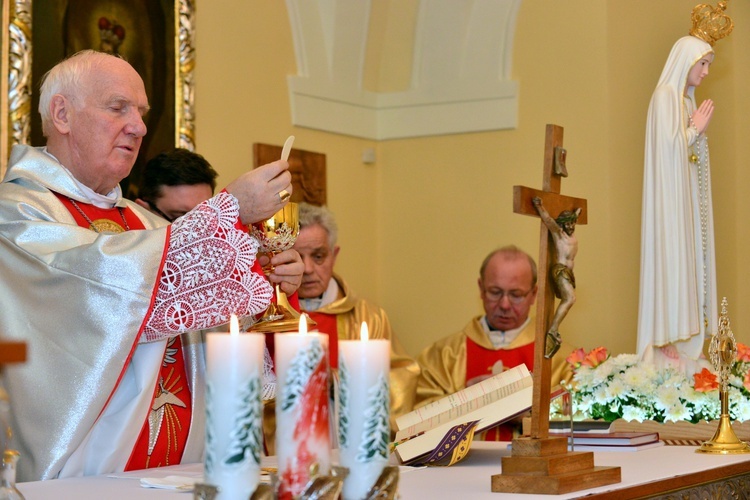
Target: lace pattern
x=269, y=377
x=207, y=274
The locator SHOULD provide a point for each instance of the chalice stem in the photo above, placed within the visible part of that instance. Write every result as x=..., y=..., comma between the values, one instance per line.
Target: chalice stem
x=283, y=306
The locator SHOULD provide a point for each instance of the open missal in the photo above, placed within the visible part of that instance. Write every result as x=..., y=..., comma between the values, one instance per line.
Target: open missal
x=488, y=403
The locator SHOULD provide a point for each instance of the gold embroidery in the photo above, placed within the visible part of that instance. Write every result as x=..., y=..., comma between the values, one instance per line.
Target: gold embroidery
x=106, y=226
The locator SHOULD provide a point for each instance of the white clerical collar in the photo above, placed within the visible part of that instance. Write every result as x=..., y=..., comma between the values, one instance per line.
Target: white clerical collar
x=499, y=338
x=98, y=200
x=315, y=303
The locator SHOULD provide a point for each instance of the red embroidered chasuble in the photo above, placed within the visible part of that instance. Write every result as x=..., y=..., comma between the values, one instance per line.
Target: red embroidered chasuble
x=479, y=361
x=167, y=425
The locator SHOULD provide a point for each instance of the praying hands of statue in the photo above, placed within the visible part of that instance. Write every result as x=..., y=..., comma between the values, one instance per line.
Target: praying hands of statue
x=701, y=117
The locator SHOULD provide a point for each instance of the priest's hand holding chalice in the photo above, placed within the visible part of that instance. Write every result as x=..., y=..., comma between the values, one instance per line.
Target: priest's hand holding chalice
x=275, y=235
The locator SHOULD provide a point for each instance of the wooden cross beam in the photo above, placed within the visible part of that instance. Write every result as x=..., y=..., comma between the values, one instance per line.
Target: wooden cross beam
x=554, y=202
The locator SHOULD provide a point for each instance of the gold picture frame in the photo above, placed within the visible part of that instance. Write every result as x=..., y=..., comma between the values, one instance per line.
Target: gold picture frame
x=169, y=24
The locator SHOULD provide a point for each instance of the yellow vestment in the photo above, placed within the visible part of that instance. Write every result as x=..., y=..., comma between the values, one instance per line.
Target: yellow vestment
x=444, y=363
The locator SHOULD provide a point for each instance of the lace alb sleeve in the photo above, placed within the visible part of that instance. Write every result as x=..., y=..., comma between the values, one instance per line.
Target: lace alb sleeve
x=207, y=273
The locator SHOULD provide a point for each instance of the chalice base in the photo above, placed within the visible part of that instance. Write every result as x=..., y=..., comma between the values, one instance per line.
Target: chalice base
x=280, y=317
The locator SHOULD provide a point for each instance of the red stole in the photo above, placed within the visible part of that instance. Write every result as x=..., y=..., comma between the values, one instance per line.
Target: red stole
x=168, y=420
x=327, y=324
x=479, y=361
x=95, y=213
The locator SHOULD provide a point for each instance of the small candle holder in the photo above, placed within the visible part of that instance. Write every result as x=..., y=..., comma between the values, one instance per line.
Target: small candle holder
x=325, y=487
x=203, y=491
x=386, y=487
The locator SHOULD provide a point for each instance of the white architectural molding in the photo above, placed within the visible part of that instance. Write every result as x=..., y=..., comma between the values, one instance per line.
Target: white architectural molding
x=460, y=79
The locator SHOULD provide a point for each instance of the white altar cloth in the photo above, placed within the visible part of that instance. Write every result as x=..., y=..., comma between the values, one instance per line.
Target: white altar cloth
x=467, y=479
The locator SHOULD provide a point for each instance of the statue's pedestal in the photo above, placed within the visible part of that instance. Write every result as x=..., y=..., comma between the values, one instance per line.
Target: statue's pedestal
x=546, y=466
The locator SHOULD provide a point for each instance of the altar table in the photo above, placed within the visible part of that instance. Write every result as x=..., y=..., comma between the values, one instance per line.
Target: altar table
x=645, y=474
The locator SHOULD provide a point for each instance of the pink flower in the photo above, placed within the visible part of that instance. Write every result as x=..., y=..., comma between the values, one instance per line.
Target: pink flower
x=595, y=357
x=576, y=357
x=706, y=381
x=743, y=352
x=746, y=381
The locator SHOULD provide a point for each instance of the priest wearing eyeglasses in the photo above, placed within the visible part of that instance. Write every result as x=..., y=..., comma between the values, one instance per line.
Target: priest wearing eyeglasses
x=499, y=339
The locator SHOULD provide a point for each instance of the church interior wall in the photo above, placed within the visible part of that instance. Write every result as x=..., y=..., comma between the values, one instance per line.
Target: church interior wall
x=415, y=225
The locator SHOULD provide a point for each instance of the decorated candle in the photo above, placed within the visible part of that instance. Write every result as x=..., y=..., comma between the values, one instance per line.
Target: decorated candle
x=302, y=424
x=364, y=412
x=234, y=370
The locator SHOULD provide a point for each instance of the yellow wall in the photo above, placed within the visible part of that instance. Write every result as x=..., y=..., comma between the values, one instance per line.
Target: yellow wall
x=415, y=226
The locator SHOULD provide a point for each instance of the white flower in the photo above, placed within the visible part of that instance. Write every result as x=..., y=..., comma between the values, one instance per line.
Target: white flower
x=625, y=360
x=625, y=387
x=617, y=389
x=678, y=411
x=636, y=413
x=742, y=411
x=584, y=404
x=637, y=379
x=666, y=396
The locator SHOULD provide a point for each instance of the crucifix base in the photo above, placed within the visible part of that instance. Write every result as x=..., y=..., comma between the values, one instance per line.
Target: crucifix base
x=545, y=466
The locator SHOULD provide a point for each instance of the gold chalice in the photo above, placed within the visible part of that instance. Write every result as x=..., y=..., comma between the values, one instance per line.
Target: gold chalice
x=276, y=234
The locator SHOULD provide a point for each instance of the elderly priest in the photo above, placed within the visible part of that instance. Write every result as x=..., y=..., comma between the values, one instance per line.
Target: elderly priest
x=109, y=297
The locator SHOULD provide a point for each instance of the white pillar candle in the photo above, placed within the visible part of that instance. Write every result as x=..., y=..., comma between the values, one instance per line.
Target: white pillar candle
x=364, y=413
x=302, y=422
x=234, y=438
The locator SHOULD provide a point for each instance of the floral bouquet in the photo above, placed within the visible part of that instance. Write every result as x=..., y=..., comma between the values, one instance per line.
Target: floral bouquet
x=610, y=388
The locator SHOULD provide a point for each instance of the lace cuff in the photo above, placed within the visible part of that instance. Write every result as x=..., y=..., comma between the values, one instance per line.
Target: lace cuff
x=207, y=274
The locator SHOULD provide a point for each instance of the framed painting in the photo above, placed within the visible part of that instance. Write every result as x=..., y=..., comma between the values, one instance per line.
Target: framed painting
x=155, y=36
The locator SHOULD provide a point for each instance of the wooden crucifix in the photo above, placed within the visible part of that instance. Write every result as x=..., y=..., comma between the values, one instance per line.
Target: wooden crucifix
x=538, y=463
x=554, y=203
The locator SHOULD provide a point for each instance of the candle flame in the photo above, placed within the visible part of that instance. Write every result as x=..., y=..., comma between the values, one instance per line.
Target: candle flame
x=234, y=326
x=303, y=324
x=364, y=334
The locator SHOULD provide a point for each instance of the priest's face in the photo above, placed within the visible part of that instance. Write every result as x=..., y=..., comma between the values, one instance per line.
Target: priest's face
x=176, y=201
x=507, y=291
x=105, y=124
x=318, y=257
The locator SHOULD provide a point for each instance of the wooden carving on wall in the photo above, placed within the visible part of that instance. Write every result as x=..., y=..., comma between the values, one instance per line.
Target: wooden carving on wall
x=308, y=171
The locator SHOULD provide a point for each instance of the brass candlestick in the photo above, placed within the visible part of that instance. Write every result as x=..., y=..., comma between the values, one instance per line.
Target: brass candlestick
x=723, y=351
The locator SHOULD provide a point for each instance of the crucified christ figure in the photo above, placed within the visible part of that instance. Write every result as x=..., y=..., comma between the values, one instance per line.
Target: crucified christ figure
x=561, y=272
